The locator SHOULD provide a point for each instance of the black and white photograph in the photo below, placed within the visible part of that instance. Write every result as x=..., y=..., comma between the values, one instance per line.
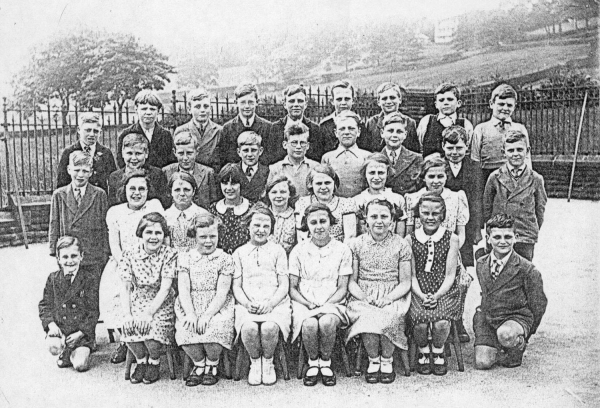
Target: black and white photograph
x=335, y=203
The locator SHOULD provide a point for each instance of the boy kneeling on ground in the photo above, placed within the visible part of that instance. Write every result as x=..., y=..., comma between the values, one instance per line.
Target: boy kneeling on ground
x=512, y=299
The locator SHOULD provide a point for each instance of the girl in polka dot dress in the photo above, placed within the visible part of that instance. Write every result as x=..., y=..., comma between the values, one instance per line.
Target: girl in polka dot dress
x=436, y=298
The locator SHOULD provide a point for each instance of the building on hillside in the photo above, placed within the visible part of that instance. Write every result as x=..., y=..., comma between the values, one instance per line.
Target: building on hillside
x=445, y=30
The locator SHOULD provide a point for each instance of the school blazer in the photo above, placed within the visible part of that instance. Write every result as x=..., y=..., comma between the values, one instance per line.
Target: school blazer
x=525, y=199
x=277, y=152
x=158, y=186
x=205, y=178
x=517, y=292
x=231, y=131
x=104, y=164
x=208, y=152
x=74, y=308
x=160, y=149
x=87, y=222
x=372, y=141
x=469, y=180
x=405, y=176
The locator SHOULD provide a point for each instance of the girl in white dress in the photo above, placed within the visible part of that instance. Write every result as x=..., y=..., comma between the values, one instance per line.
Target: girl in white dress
x=319, y=273
x=260, y=287
x=122, y=221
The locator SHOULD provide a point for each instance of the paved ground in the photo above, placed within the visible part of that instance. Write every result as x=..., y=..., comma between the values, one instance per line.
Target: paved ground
x=560, y=367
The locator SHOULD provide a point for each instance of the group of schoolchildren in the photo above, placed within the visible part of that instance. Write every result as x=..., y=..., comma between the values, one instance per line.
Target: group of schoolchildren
x=253, y=233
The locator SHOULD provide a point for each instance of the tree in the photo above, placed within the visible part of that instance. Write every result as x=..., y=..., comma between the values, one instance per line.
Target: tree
x=90, y=68
x=121, y=68
x=58, y=70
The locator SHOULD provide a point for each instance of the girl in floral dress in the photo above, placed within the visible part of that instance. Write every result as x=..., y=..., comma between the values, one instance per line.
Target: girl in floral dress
x=436, y=297
x=147, y=272
x=319, y=273
x=204, y=308
x=380, y=289
x=180, y=216
x=260, y=287
x=280, y=196
x=232, y=209
x=322, y=183
x=122, y=221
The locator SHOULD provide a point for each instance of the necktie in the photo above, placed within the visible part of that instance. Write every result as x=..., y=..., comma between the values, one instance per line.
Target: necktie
x=87, y=149
x=502, y=124
x=496, y=269
x=393, y=157
x=247, y=123
x=78, y=195
x=68, y=279
x=516, y=173
x=249, y=172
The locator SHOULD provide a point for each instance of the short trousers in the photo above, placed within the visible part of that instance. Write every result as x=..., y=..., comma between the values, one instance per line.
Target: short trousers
x=485, y=333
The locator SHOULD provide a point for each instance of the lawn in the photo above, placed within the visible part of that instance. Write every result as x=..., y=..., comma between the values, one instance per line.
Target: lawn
x=560, y=366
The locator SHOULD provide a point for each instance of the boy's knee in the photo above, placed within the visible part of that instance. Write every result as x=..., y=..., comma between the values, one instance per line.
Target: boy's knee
x=485, y=357
x=80, y=358
x=483, y=363
x=507, y=336
x=55, y=346
x=441, y=325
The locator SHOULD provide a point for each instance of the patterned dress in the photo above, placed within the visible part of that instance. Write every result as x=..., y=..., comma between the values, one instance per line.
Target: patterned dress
x=378, y=275
x=259, y=268
x=284, y=232
x=319, y=270
x=178, y=222
x=338, y=206
x=146, y=272
x=235, y=234
x=366, y=197
x=204, y=272
x=122, y=222
x=430, y=253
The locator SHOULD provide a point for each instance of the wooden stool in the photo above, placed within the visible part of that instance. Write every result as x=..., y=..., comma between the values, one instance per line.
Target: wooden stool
x=188, y=365
x=281, y=351
x=452, y=340
x=169, y=351
x=403, y=356
x=339, y=345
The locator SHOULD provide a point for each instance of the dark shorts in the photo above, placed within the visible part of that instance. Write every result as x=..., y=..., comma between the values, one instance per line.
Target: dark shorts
x=485, y=333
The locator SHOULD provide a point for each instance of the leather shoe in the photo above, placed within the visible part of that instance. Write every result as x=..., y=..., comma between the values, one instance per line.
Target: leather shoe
x=425, y=368
x=311, y=380
x=387, y=378
x=152, y=373
x=120, y=354
x=372, y=378
x=138, y=374
x=463, y=336
x=440, y=369
x=195, y=377
x=64, y=359
x=513, y=357
x=211, y=376
x=328, y=380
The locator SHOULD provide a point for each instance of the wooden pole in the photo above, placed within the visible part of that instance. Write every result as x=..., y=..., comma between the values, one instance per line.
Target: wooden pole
x=577, y=146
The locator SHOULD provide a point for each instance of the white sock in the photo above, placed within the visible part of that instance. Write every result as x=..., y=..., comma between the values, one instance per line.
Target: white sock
x=374, y=365
x=200, y=363
x=212, y=363
x=313, y=363
x=313, y=367
x=424, y=350
x=437, y=350
x=387, y=365
x=153, y=361
x=142, y=360
x=325, y=366
x=255, y=360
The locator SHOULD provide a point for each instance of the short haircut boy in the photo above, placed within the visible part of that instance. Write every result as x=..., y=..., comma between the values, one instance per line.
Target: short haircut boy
x=249, y=138
x=514, y=136
x=454, y=134
x=294, y=130
x=246, y=89
x=197, y=95
x=504, y=91
x=185, y=138
x=80, y=158
x=135, y=139
x=347, y=114
x=342, y=85
x=149, y=97
x=90, y=117
x=293, y=90
x=386, y=86
x=446, y=87
x=395, y=118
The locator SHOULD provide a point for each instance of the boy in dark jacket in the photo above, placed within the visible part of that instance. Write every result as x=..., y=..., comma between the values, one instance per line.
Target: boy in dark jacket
x=512, y=299
x=69, y=309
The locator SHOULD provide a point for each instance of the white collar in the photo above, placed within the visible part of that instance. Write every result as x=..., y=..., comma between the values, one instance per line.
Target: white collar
x=453, y=116
x=285, y=214
x=495, y=120
x=290, y=121
x=455, y=167
x=521, y=168
x=286, y=160
x=92, y=147
x=422, y=237
x=195, y=256
x=239, y=209
x=254, y=168
x=352, y=149
x=189, y=212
